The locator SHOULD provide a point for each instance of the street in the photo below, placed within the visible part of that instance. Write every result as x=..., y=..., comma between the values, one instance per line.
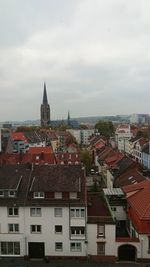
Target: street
x=6, y=262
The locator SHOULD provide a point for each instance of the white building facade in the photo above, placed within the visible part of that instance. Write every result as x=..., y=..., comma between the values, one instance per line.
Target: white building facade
x=39, y=221
x=82, y=136
x=122, y=137
x=42, y=231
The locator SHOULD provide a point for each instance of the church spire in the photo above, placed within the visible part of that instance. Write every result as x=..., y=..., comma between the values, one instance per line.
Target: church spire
x=45, y=102
x=45, y=110
x=68, y=119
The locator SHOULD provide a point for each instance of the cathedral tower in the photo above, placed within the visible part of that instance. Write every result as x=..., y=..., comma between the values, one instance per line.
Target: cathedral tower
x=45, y=110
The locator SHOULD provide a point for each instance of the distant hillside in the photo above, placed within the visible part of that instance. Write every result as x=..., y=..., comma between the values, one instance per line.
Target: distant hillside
x=91, y=120
x=95, y=119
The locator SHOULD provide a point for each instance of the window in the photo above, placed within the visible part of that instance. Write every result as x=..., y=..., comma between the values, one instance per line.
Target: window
x=58, y=195
x=58, y=229
x=58, y=212
x=35, y=228
x=1, y=193
x=101, y=230
x=77, y=213
x=11, y=193
x=36, y=212
x=10, y=248
x=13, y=211
x=58, y=246
x=38, y=195
x=73, y=195
x=78, y=231
x=101, y=248
x=13, y=227
x=75, y=246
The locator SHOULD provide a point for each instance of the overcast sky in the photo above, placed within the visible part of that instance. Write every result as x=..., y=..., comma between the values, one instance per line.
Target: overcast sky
x=93, y=54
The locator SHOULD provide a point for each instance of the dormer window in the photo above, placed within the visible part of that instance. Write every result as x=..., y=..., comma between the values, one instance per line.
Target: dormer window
x=58, y=195
x=1, y=193
x=11, y=193
x=38, y=195
x=73, y=195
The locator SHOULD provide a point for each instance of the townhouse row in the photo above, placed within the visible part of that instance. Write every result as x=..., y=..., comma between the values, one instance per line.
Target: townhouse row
x=45, y=211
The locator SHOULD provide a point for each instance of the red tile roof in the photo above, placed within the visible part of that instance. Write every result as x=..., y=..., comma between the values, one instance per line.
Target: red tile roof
x=68, y=158
x=19, y=136
x=37, y=155
x=113, y=159
x=138, y=199
x=38, y=150
x=107, y=152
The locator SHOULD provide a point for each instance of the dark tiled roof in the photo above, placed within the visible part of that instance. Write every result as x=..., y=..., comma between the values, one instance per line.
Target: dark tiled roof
x=97, y=209
x=10, y=177
x=130, y=177
x=45, y=178
x=56, y=178
x=122, y=165
x=134, y=139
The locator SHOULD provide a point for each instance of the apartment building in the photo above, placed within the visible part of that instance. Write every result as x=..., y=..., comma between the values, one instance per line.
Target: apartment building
x=42, y=211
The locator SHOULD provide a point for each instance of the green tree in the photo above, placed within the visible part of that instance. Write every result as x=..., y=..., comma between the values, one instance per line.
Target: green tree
x=86, y=159
x=105, y=128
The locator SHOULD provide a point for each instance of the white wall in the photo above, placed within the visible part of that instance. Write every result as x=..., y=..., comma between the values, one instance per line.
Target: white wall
x=109, y=239
x=48, y=235
x=120, y=213
x=110, y=179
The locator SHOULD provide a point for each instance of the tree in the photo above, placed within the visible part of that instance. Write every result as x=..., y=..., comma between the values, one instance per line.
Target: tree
x=27, y=128
x=71, y=140
x=86, y=159
x=105, y=128
x=83, y=126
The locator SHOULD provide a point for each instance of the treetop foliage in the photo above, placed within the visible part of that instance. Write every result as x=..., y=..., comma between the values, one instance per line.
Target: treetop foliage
x=105, y=128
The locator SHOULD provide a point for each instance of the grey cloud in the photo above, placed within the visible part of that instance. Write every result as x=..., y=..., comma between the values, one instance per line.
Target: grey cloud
x=93, y=55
